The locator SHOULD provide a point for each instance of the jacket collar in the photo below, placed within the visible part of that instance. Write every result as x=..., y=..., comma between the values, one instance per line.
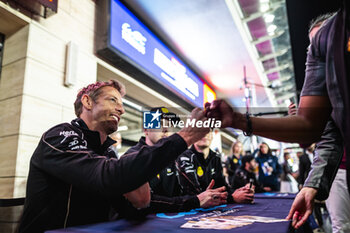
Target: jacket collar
x=200, y=155
x=93, y=137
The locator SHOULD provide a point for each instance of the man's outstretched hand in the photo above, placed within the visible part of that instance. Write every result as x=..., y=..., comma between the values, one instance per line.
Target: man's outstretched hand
x=221, y=110
x=302, y=206
x=191, y=134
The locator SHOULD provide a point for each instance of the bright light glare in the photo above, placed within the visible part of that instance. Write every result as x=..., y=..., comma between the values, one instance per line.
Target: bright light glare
x=271, y=29
x=269, y=18
x=264, y=7
x=287, y=102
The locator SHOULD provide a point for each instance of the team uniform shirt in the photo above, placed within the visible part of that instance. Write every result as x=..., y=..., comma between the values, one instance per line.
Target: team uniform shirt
x=167, y=195
x=195, y=172
x=232, y=163
x=75, y=180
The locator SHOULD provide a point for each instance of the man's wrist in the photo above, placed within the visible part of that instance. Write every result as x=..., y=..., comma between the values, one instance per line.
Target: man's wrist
x=249, y=128
x=310, y=190
x=185, y=137
x=239, y=121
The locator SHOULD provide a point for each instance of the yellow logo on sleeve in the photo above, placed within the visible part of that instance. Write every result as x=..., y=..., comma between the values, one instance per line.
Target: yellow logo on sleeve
x=200, y=171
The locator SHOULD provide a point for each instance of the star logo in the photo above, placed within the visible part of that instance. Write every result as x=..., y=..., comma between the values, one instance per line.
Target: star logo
x=151, y=120
x=155, y=115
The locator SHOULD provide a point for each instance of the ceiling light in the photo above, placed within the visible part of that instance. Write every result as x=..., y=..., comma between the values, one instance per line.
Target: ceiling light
x=271, y=29
x=269, y=18
x=132, y=104
x=265, y=6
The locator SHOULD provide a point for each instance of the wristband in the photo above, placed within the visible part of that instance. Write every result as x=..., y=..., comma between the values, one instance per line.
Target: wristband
x=249, y=130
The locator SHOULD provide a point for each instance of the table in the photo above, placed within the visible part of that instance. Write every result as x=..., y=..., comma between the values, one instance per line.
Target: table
x=267, y=214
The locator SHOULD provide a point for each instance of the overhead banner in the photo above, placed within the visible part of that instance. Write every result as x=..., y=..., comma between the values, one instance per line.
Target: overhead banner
x=129, y=36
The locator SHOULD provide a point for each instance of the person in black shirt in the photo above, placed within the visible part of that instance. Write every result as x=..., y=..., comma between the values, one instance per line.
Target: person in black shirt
x=166, y=191
x=199, y=165
x=75, y=179
x=245, y=173
x=233, y=162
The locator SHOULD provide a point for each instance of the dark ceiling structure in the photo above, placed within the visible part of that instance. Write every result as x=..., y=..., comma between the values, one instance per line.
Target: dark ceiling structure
x=300, y=13
x=217, y=38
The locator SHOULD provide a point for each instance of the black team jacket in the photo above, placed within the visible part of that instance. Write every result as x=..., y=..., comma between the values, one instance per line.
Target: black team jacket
x=195, y=172
x=74, y=180
x=166, y=192
x=243, y=177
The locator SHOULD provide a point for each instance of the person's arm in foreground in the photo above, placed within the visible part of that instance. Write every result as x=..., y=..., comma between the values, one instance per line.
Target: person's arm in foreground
x=304, y=127
x=302, y=206
x=328, y=155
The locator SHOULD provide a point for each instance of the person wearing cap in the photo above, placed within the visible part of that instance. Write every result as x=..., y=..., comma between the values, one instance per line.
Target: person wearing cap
x=199, y=165
x=245, y=174
x=75, y=179
x=166, y=192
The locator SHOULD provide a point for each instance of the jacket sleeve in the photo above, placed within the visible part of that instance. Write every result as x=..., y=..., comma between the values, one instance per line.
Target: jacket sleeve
x=228, y=166
x=66, y=156
x=302, y=168
x=188, y=178
x=239, y=179
x=328, y=155
x=220, y=180
x=163, y=204
x=278, y=170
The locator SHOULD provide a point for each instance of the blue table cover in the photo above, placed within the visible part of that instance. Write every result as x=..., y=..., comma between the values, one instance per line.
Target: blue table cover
x=267, y=214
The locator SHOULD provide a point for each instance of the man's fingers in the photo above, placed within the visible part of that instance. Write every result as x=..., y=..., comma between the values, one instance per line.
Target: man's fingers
x=291, y=212
x=214, y=104
x=220, y=189
x=223, y=195
x=219, y=195
x=211, y=185
x=296, y=218
x=303, y=219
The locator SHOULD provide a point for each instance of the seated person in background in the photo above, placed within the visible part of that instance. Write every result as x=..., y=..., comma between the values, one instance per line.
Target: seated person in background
x=269, y=168
x=166, y=192
x=245, y=174
x=233, y=162
x=75, y=179
x=199, y=165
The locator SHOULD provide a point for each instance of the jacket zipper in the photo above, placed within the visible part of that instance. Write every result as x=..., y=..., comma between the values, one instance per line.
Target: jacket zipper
x=68, y=207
